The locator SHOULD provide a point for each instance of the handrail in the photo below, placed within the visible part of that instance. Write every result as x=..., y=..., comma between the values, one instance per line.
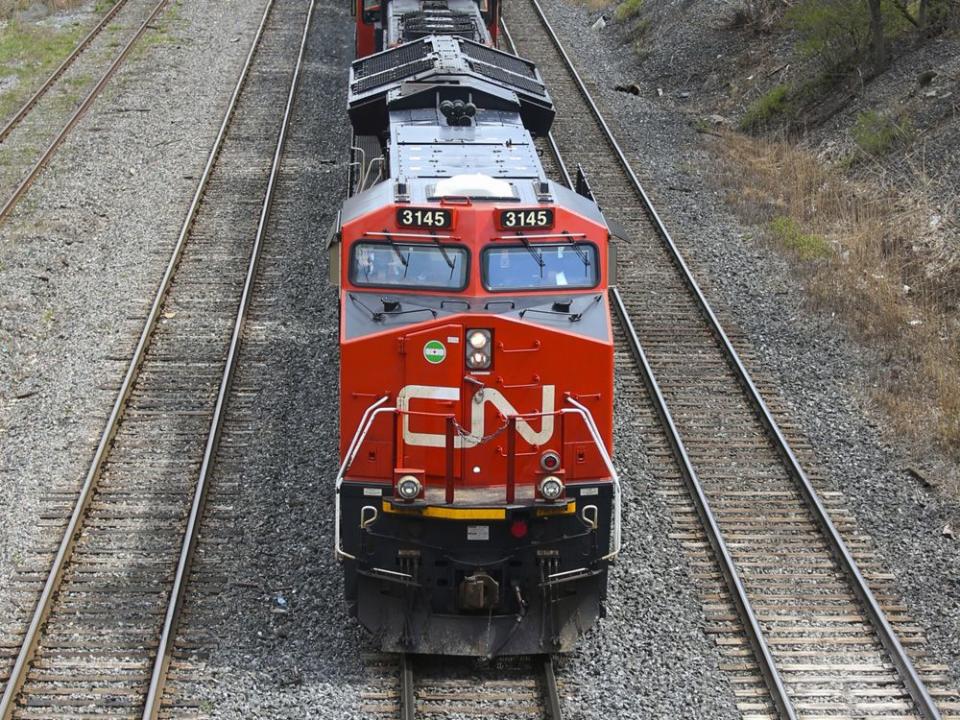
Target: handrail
x=376, y=409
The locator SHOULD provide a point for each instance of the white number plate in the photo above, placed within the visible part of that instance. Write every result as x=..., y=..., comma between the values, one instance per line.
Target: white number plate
x=431, y=218
x=524, y=218
x=480, y=533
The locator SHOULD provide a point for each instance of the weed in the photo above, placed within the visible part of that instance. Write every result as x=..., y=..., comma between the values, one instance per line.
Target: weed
x=876, y=134
x=30, y=53
x=765, y=109
x=788, y=232
x=163, y=35
x=881, y=267
x=628, y=9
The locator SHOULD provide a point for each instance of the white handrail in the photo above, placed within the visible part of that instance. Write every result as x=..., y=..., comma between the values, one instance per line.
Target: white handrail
x=376, y=409
x=592, y=427
x=351, y=453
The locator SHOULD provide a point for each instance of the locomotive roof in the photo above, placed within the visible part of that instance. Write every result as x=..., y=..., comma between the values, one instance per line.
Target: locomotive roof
x=413, y=75
x=423, y=147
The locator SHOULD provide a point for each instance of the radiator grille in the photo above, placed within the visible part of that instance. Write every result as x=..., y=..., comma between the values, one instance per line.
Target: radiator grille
x=508, y=78
x=391, y=75
x=501, y=60
x=422, y=24
x=388, y=60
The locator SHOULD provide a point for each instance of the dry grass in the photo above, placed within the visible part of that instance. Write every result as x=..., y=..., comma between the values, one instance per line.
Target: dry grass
x=9, y=7
x=595, y=4
x=890, y=268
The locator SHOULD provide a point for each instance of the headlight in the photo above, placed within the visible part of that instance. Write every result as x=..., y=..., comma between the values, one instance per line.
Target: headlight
x=551, y=487
x=478, y=361
x=408, y=487
x=478, y=339
x=478, y=349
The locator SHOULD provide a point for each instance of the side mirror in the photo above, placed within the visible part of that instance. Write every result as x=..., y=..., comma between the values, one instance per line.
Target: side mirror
x=333, y=252
x=612, y=262
x=333, y=261
x=618, y=234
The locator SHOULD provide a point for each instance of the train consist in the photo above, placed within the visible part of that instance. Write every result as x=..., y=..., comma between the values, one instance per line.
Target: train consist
x=478, y=509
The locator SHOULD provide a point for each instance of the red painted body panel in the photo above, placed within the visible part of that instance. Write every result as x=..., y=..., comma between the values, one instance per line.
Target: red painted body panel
x=534, y=369
x=366, y=36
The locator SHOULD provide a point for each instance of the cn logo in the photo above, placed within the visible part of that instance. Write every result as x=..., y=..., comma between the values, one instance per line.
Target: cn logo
x=477, y=415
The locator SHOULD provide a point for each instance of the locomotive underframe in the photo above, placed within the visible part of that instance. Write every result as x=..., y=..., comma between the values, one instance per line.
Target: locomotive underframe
x=469, y=586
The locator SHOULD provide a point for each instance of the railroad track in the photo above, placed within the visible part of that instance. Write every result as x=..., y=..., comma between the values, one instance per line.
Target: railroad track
x=808, y=625
x=423, y=687
x=99, y=640
x=28, y=141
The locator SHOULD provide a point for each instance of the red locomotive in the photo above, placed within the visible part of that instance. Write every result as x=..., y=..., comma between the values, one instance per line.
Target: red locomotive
x=477, y=506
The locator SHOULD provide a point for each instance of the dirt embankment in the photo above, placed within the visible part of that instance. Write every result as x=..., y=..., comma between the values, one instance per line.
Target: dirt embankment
x=845, y=160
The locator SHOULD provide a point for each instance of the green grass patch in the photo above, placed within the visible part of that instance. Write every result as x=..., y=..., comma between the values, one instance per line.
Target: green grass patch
x=164, y=34
x=766, y=109
x=877, y=134
x=788, y=232
x=628, y=9
x=30, y=53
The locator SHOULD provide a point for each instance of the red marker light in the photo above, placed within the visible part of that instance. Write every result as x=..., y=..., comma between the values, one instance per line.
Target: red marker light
x=518, y=528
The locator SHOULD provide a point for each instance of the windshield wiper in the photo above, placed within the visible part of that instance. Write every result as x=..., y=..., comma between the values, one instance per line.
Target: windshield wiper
x=563, y=307
x=537, y=255
x=379, y=315
x=578, y=250
x=396, y=248
x=450, y=263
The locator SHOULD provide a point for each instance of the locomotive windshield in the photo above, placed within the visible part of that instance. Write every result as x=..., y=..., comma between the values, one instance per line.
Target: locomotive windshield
x=535, y=267
x=414, y=265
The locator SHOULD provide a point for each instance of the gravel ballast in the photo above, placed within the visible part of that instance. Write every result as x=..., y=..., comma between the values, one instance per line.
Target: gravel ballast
x=266, y=623
x=267, y=598
x=81, y=257
x=823, y=374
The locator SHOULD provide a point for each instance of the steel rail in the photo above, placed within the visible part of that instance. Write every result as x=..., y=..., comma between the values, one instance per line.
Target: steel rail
x=178, y=592
x=885, y=632
x=32, y=636
x=554, y=148
x=408, y=692
x=551, y=692
x=731, y=575
x=61, y=69
x=708, y=519
x=38, y=166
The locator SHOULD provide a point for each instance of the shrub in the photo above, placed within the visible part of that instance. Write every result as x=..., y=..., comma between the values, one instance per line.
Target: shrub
x=628, y=9
x=787, y=231
x=875, y=134
x=838, y=31
x=766, y=108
